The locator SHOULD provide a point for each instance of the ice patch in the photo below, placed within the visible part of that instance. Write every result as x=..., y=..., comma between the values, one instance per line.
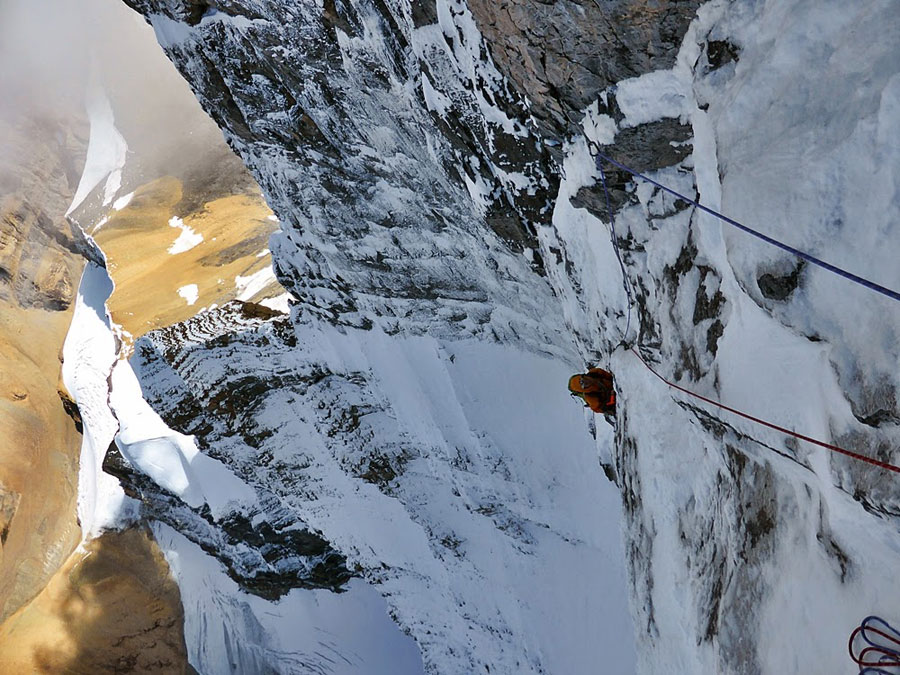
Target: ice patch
x=187, y=240
x=190, y=293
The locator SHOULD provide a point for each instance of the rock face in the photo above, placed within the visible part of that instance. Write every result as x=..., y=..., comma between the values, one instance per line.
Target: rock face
x=39, y=269
x=561, y=55
x=39, y=264
x=431, y=165
x=115, y=608
x=356, y=134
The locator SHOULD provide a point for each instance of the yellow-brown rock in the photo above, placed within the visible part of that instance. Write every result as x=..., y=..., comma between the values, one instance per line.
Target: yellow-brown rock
x=113, y=608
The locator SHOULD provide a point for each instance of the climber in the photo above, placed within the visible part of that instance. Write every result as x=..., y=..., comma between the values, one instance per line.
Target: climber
x=595, y=388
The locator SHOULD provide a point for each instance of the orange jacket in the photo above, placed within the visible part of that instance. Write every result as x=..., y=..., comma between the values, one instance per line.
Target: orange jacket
x=595, y=388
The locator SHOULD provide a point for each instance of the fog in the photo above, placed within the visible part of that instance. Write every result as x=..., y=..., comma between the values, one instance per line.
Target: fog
x=49, y=50
x=54, y=52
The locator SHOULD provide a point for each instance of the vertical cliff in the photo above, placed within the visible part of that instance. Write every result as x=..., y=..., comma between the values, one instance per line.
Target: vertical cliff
x=444, y=240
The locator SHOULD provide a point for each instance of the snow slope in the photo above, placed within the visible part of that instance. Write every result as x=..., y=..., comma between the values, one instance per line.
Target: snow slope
x=106, y=151
x=422, y=461
x=751, y=553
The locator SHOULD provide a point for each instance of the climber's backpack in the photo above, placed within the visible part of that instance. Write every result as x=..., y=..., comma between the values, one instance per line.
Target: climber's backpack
x=590, y=383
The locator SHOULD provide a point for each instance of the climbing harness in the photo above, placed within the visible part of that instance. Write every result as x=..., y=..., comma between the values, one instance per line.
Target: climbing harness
x=878, y=645
x=725, y=219
x=837, y=270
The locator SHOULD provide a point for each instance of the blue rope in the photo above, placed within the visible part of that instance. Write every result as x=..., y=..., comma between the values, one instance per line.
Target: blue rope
x=885, y=625
x=612, y=235
x=790, y=249
x=885, y=655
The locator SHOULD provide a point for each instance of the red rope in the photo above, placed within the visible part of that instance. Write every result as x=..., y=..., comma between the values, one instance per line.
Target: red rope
x=827, y=446
x=875, y=655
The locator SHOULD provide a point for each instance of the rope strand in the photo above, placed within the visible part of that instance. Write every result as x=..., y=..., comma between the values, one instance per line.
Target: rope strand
x=802, y=437
x=828, y=446
x=878, y=288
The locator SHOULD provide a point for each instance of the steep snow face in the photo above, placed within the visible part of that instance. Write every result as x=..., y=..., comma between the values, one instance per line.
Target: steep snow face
x=457, y=477
x=449, y=474
x=751, y=552
x=405, y=174
x=398, y=425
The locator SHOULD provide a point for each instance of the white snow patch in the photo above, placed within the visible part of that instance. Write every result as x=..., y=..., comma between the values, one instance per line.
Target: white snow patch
x=601, y=129
x=187, y=240
x=280, y=303
x=170, y=33
x=122, y=202
x=190, y=293
x=657, y=94
x=479, y=190
x=106, y=151
x=171, y=459
x=252, y=284
x=435, y=100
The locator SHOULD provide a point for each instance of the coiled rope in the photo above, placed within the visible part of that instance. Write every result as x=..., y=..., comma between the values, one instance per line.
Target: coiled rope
x=880, y=647
x=869, y=284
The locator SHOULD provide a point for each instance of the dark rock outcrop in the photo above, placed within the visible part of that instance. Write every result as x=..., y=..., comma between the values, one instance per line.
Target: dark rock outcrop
x=561, y=55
